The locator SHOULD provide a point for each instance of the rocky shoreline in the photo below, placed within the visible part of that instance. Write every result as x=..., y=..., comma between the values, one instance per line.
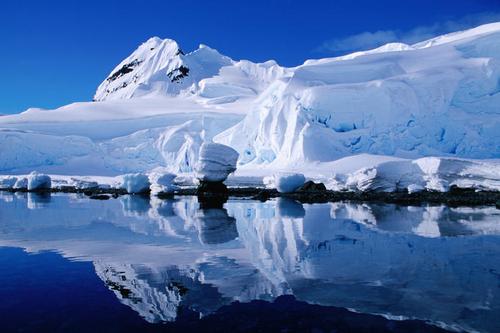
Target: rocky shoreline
x=455, y=197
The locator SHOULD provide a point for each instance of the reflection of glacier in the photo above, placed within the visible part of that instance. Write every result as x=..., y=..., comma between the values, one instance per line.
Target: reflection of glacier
x=434, y=263
x=372, y=258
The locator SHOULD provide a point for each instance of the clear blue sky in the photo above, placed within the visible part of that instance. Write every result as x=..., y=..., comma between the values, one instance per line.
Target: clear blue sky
x=57, y=52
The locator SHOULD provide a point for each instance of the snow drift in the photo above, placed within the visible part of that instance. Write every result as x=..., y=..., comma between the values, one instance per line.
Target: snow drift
x=440, y=97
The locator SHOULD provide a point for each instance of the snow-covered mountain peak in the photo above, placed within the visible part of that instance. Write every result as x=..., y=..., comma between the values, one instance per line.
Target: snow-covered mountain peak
x=137, y=70
x=160, y=67
x=155, y=40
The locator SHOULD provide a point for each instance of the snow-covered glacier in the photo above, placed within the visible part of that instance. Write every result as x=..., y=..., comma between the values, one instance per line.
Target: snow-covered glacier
x=440, y=97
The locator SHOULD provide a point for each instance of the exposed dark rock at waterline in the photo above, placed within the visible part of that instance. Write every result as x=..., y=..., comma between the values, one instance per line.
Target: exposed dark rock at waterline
x=212, y=187
x=213, y=193
x=315, y=194
x=311, y=186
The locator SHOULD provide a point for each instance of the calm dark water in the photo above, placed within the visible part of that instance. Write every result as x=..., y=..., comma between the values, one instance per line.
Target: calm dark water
x=70, y=264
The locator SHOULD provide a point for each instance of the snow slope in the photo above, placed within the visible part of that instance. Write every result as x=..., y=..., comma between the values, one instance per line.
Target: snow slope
x=427, y=100
x=440, y=97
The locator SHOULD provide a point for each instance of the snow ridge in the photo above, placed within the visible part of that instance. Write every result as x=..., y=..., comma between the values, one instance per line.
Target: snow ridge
x=159, y=67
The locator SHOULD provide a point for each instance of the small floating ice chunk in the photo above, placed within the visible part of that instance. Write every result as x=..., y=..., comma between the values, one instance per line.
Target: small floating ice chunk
x=21, y=183
x=135, y=183
x=268, y=181
x=163, y=182
x=37, y=181
x=7, y=182
x=414, y=188
x=288, y=182
x=216, y=162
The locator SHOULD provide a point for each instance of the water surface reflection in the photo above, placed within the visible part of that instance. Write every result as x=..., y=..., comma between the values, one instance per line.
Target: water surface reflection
x=433, y=263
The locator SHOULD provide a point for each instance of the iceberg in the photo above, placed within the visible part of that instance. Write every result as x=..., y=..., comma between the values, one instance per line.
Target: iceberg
x=162, y=181
x=38, y=182
x=216, y=162
x=288, y=182
x=135, y=183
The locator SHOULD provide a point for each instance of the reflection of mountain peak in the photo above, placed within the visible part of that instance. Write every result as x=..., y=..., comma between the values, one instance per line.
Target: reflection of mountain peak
x=157, y=293
x=153, y=304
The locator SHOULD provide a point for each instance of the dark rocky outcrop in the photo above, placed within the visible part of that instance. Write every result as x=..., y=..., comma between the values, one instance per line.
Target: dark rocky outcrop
x=212, y=194
x=178, y=73
x=127, y=68
x=311, y=186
